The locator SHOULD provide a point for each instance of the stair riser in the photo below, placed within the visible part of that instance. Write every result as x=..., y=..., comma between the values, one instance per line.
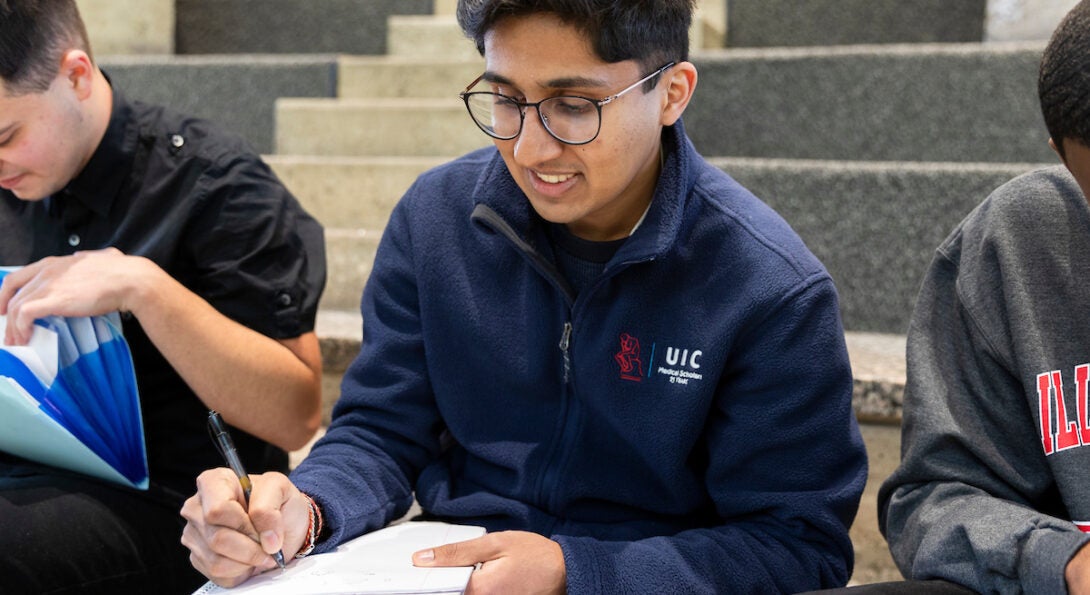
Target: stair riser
x=771, y=23
x=925, y=103
x=437, y=37
x=349, y=255
x=376, y=128
x=380, y=77
x=353, y=194
x=288, y=26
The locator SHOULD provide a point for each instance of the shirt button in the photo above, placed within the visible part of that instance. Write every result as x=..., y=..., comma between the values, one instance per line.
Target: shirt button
x=73, y=240
x=177, y=141
x=283, y=299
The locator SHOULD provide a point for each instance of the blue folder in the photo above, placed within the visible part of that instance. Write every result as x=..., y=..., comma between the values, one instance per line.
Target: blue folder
x=69, y=399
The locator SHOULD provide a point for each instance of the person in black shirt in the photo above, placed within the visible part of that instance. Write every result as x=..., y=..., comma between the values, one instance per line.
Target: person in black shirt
x=115, y=205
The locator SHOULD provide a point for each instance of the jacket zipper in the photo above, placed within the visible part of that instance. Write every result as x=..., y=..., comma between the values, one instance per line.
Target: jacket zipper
x=555, y=456
x=565, y=342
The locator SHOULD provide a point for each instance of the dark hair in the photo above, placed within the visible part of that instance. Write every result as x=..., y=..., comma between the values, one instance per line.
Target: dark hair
x=34, y=35
x=1063, y=85
x=651, y=32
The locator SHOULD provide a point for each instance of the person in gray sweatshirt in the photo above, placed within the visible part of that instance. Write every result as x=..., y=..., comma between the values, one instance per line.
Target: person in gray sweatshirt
x=993, y=491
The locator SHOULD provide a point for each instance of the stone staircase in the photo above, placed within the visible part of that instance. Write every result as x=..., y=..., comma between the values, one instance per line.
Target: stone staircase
x=873, y=152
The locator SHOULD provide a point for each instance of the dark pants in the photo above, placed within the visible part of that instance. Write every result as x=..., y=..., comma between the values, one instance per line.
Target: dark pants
x=62, y=533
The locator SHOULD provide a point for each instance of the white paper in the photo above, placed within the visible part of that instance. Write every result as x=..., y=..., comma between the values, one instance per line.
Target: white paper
x=376, y=563
x=39, y=355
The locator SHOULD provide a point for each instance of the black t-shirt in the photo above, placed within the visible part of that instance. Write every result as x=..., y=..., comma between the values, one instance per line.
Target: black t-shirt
x=205, y=208
x=580, y=261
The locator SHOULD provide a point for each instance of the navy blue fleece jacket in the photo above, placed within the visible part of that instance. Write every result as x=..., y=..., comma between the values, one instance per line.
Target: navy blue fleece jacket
x=682, y=425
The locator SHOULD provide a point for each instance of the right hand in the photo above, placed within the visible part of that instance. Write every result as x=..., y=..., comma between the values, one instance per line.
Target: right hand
x=229, y=543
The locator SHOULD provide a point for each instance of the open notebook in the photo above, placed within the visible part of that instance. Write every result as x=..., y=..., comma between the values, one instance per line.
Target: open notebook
x=377, y=562
x=69, y=399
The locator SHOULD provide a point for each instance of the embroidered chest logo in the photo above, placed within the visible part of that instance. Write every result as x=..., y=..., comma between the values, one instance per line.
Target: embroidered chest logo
x=680, y=366
x=628, y=358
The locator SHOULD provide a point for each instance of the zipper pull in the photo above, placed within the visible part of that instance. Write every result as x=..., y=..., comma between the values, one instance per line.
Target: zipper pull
x=565, y=342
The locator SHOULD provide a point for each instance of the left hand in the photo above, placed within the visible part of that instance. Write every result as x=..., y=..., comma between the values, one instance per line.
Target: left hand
x=513, y=562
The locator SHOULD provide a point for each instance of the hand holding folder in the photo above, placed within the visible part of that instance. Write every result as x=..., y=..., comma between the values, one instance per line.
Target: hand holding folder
x=69, y=399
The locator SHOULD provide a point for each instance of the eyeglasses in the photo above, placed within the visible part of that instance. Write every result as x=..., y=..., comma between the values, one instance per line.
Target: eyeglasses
x=569, y=119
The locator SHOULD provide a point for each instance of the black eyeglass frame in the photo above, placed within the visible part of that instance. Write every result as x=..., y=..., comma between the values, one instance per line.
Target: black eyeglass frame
x=466, y=95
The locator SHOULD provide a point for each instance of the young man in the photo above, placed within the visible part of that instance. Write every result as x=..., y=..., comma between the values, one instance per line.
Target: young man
x=993, y=491
x=129, y=207
x=586, y=339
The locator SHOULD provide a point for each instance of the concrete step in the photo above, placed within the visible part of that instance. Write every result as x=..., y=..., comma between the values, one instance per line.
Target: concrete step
x=237, y=92
x=873, y=562
x=874, y=225
x=922, y=102
x=770, y=23
x=445, y=7
x=398, y=76
x=434, y=36
x=123, y=27
x=376, y=127
x=350, y=192
x=349, y=256
x=288, y=26
x=1024, y=20
x=438, y=35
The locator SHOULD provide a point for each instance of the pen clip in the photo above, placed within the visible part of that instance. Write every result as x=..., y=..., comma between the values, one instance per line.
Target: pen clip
x=218, y=432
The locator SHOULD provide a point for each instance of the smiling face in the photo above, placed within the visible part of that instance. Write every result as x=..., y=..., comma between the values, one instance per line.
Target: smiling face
x=600, y=189
x=45, y=138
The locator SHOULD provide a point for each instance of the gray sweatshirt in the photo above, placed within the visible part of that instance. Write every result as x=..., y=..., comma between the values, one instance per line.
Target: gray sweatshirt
x=994, y=482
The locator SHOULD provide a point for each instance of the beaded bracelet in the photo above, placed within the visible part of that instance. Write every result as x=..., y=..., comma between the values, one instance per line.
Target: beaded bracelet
x=314, y=527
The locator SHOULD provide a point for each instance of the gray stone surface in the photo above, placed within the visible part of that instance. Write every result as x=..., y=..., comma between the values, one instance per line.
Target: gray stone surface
x=237, y=92
x=1012, y=20
x=129, y=26
x=873, y=225
x=878, y=371
x=767, y=23
x=926, y=102
x=873, y=563
x=287, y=26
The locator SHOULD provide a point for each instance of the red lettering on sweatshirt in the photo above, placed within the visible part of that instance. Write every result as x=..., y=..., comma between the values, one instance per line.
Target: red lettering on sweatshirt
x=1082, y=376
x=1050, y=397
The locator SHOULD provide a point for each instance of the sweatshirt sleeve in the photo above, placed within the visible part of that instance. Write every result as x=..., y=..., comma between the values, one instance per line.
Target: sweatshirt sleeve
x=967, y=502
x=785, y=472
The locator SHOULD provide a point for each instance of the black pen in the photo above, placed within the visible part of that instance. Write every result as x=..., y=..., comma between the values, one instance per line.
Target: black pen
x=226, y=447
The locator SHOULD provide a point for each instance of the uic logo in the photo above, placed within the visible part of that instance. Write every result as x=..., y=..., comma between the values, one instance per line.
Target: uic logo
x=683, y=357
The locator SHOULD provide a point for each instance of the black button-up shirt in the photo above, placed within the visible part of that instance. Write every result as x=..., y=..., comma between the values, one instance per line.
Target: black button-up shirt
x=204, y=207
